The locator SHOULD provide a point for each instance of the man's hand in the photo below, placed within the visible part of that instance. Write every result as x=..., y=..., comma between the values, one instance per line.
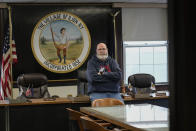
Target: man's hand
x=101, y=71
x=98, y=73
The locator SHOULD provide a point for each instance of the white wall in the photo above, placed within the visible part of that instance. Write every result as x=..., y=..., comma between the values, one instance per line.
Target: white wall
x=61, y=91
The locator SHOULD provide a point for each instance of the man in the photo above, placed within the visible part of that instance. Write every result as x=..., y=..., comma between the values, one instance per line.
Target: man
x=104, y=75
x=64, y=43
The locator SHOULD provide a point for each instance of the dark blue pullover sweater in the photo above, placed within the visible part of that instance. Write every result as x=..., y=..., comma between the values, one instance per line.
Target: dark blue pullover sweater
x=109, y=81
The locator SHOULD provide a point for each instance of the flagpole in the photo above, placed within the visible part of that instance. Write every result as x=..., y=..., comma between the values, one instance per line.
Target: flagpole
x=115, y=39
x=10, y=28
x=115, y=42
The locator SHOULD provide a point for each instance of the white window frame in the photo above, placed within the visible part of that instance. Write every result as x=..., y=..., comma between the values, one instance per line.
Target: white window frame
x=145, y=44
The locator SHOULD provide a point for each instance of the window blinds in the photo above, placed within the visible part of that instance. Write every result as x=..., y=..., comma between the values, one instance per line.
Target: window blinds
x=144, y=24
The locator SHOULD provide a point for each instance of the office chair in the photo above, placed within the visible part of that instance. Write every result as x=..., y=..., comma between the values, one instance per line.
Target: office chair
x=141, y=84
x=82, y=84
x=141, y=80
x=74, y=116
x=106, y=102
x=91, y=125
x=33, y=85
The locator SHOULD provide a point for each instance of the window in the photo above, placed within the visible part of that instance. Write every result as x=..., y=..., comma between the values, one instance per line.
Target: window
x=146, y=57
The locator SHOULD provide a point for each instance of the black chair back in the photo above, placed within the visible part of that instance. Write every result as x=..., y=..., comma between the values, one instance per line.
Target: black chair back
x=141, y=80
x=82, y=85
x=33, y=85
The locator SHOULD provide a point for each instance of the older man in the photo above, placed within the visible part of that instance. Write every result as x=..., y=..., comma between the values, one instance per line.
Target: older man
x=104, y=75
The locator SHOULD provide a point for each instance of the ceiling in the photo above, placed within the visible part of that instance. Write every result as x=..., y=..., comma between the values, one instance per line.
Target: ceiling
x=83, y=1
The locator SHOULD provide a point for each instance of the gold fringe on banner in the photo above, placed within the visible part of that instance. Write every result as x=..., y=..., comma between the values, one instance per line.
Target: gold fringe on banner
x=10, y=42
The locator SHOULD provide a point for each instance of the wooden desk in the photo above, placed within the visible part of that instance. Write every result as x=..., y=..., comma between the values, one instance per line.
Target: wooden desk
x=137, y=117
x=40, y=115
x=159, y=100
x=36, y=102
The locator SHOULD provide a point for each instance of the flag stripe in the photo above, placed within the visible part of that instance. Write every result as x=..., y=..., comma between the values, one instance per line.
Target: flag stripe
x=14, y=55
x=9, y=57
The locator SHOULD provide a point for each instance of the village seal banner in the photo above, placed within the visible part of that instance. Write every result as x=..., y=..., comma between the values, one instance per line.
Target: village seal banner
x=61, y=42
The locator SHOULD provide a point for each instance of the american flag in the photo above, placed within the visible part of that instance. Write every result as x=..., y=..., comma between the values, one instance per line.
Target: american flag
x=8, y=58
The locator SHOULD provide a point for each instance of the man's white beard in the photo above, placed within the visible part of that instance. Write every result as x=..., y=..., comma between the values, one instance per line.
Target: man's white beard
x=102, y=57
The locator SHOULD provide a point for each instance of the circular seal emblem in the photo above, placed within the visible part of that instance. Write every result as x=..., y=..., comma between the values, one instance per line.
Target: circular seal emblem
x=60, y=42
